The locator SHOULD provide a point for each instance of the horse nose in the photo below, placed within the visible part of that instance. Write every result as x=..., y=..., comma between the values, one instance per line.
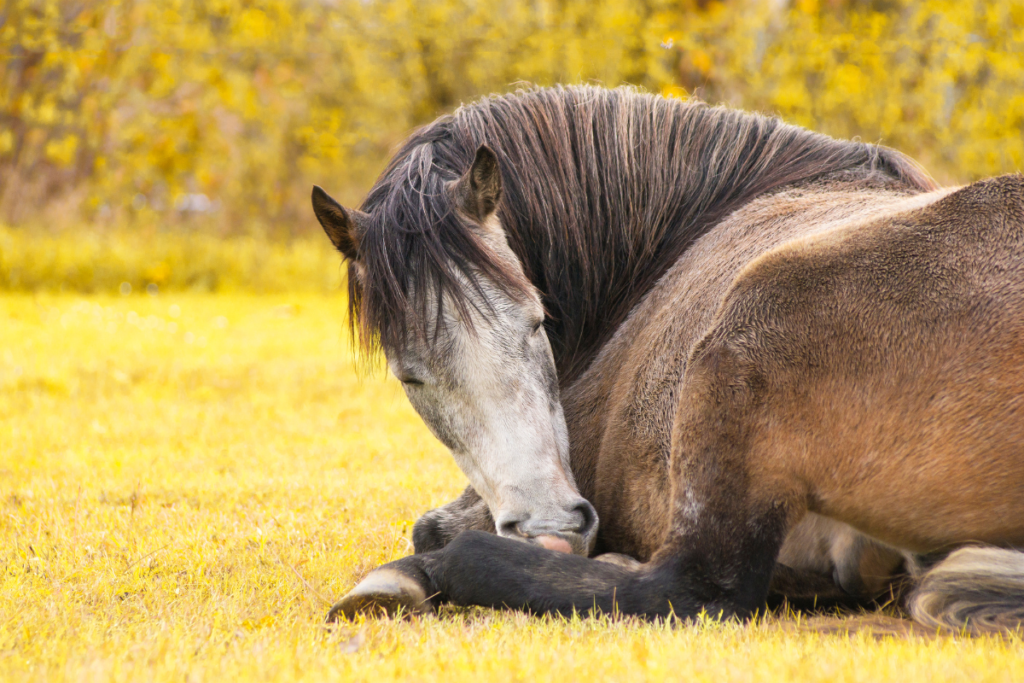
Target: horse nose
x=576, y=524
x=588, y=519
x=511, y=525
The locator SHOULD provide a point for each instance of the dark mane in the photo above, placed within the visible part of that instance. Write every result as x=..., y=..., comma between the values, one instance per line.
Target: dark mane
x=603, y=191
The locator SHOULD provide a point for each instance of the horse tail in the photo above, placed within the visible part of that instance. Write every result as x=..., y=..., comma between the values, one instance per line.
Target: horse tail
x=974, y=589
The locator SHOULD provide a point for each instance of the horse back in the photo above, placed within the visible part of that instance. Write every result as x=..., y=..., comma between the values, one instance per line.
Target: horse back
x=886, y=361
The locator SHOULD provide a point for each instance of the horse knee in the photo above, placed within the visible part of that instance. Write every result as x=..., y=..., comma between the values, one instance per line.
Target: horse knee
x=620, y=560
x=428, y=532
x=438, y=527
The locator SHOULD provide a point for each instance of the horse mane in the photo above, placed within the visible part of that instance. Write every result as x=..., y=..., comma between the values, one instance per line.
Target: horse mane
x=603, y=190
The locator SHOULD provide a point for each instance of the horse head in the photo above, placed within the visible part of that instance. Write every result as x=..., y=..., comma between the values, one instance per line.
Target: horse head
x=435, y=283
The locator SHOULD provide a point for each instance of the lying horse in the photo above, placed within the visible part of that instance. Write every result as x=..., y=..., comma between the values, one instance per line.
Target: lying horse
x=749, y=349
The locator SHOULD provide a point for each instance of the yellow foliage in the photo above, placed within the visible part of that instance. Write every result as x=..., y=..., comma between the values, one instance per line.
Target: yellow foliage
x=62, y=152
x=250, y=102
x=938, y=79
x=194, y=478
x=186, y=481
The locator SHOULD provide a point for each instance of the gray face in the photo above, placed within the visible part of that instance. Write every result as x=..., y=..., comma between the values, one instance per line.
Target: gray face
x=487, y=388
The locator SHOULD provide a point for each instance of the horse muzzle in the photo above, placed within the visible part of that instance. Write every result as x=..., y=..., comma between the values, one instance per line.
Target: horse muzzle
x=575, y=526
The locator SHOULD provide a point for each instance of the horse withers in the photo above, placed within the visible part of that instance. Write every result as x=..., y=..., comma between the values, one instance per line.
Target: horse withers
x=761, y=354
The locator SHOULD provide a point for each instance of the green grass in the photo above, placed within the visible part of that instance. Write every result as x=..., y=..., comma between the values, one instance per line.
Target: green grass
x=188, y=480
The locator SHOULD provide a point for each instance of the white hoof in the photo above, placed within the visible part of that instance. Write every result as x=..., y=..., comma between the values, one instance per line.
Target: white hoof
x=384, y=592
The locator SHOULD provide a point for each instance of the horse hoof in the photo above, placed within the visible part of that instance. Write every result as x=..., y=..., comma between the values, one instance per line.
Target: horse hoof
x=384, y=592
x=624, y=561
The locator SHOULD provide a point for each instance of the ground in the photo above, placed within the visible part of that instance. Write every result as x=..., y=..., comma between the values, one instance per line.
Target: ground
x=187, y=481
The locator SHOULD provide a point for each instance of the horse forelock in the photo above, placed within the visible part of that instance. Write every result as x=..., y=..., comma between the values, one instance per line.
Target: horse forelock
x=603, y=189
x=417, y=251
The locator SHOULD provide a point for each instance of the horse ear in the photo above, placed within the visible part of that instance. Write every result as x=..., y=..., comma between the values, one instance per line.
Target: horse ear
x=345, y=228
x=479, y=191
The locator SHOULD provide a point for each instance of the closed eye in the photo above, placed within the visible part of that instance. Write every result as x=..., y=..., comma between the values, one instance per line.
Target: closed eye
x=411, y=381
x=537, y=326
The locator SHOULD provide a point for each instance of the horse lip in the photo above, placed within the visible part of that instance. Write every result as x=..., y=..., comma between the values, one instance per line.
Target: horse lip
x=579, y=532
x=579, y=544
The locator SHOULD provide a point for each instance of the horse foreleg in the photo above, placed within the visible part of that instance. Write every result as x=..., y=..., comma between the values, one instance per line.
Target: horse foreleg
x=405, y=586
x=479, y=568
x=402, y=587
x=438, y=527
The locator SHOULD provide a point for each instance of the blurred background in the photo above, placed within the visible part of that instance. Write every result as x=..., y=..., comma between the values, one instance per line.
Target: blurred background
x=173, y=143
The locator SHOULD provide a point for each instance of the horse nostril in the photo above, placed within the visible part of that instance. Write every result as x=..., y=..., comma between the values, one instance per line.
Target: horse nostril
x=510, y=526
x=588, y=517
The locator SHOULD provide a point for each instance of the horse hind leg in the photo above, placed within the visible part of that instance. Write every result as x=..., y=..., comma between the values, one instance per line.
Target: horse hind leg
x=857, y=565
x=866, y=568
x=974, y=589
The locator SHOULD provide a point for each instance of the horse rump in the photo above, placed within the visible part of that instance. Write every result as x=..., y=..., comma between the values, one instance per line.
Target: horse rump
x=975, y=589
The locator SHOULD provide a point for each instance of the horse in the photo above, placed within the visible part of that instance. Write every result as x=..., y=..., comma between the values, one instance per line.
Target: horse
x=689, y=357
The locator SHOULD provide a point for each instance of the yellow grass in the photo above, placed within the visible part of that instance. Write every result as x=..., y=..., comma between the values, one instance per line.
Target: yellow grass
x=187, y=480
x=142, y=257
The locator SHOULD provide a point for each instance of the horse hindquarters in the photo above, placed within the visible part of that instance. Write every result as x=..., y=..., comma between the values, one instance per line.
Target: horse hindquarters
x=884, y=373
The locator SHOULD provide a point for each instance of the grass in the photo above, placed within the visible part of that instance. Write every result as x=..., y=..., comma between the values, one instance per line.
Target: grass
x=142, y=256
x=188, y=480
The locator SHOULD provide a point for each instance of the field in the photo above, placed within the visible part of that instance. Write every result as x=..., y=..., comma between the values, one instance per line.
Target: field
x=192, y=465
x=187, y=480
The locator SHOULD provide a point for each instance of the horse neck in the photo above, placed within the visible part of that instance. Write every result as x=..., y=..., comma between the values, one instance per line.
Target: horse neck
x=592, y=279
x=608, y=188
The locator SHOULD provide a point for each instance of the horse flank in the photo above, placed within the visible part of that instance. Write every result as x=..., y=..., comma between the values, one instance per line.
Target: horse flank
x=603, y=191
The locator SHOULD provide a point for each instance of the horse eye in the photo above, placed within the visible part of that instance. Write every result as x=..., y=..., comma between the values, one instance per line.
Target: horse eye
x=537, y=326
x=411, y=381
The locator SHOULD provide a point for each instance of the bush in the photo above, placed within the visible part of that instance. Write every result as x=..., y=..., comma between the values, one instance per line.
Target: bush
x=220, y=114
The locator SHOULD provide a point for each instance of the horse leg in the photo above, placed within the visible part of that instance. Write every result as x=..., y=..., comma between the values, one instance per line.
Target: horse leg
x=857, y=568
x=404, y=586
x=438, y=527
